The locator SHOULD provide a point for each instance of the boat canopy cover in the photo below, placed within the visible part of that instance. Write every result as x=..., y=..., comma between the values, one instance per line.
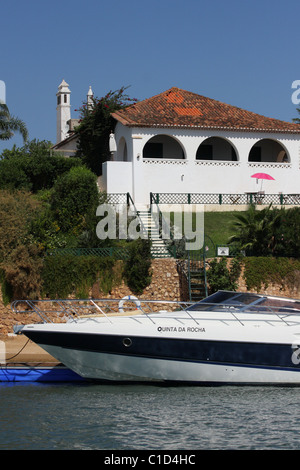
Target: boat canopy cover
x=242, y=300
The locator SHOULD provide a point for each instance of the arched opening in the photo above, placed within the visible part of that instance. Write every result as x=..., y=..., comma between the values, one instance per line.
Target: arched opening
x=122, y=150
x=268, y=150
x=216, y=148
x=163, y=146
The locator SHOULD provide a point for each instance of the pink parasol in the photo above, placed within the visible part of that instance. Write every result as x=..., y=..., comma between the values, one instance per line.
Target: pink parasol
x=262, y=176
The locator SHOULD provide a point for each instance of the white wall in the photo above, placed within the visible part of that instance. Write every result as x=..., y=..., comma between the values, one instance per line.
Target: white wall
x=194, y=176
x=117, y=177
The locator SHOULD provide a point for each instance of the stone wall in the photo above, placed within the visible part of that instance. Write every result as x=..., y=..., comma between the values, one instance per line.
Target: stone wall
x=167, y=284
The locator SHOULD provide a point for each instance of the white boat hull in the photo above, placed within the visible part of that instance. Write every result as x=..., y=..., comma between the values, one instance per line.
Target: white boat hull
x=116, y=368
x=174, y=358
x=204, y=344
x=119, y=368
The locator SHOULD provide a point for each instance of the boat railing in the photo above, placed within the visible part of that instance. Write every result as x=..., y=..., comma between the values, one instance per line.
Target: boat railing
x=63, y=310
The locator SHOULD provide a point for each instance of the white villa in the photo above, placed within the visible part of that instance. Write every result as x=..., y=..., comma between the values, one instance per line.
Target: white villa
x=183, y=144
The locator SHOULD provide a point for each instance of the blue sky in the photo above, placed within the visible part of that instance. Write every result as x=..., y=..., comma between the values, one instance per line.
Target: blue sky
x=245, y=53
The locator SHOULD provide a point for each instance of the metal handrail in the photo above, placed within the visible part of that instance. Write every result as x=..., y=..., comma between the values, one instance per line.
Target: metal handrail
x=72, y=309
x=76, y=309
x=154, y=201
x=131, y=201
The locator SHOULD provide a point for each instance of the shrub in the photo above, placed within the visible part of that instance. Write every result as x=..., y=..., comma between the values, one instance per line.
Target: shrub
x=268, y=232
x=32, y=167
x=74, y=200
x=22, y=273
x=223, y=276
x=20, y=257
x=287, y=240
x=17, y=211
x=137, y=272
x=68, y=274
x=259, y=272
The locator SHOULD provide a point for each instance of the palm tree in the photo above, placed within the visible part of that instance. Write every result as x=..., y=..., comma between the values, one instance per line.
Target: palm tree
x=9, y=124
x=255, y=230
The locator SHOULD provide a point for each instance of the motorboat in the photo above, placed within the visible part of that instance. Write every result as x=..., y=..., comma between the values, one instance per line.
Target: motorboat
x=226, y=338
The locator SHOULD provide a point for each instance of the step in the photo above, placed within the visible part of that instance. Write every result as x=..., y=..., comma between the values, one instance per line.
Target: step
x=149, y=225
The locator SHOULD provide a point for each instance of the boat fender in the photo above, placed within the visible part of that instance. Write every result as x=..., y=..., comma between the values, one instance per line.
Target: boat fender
x=129, y=297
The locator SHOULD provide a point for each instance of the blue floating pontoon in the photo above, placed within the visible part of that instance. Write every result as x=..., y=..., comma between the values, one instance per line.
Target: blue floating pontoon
x=38, y=374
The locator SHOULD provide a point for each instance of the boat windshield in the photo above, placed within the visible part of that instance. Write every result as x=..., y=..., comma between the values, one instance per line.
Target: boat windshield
x=247, y=301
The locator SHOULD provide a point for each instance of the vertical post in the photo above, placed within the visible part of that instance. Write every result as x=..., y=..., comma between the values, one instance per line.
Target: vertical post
x=189, y=275
x=220, y=198
x=2, y=353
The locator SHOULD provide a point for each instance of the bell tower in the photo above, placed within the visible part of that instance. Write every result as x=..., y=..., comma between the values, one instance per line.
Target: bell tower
x=90, y=96
x=63, y=111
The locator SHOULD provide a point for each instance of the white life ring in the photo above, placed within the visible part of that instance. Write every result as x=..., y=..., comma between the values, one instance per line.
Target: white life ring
x=129, y=297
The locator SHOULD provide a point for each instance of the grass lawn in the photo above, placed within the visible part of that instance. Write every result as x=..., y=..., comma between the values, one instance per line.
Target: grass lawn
x=218, y=226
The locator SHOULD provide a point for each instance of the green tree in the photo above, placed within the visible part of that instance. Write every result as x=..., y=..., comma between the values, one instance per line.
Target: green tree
x=10, y=124
x=96, y=123
x=74, y=200
x=33, y=167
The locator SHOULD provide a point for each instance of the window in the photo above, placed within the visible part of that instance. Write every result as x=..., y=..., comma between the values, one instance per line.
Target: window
x=268, y=150
x=218, y=149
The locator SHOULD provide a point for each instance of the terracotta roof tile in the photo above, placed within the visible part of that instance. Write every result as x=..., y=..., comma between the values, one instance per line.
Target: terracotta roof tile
x=180, y=108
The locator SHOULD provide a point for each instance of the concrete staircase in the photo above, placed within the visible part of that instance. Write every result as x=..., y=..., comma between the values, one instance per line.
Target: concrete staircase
x=151, y=230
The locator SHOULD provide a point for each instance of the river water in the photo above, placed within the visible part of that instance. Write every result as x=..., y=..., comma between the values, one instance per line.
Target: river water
x=136, y=417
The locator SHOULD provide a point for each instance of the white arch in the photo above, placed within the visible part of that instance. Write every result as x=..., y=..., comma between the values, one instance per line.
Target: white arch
x=164, y=146
x=122, y=150
x=219, y=151
x=269, y=150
